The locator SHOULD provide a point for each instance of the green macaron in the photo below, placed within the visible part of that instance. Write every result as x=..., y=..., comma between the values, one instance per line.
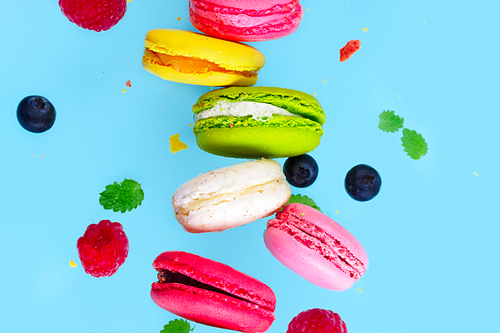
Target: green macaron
x=255, y=122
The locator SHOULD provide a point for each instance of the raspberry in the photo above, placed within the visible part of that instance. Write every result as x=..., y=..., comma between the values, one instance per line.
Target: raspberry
x=317, y=321
x=103, y=248
x=94, y=15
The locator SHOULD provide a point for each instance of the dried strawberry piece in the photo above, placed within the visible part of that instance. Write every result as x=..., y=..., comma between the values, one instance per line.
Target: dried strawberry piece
x=317, y=321
x=103, y=248
x=348, y=50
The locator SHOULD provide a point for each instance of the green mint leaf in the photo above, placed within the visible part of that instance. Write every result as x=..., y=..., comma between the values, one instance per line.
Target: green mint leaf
x=122, y=197
x=177, y=326
x=303, y=199
x=414, y=144
x=389, y=122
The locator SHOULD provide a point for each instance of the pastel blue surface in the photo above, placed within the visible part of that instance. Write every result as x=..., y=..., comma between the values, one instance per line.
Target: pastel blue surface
x=431, y=234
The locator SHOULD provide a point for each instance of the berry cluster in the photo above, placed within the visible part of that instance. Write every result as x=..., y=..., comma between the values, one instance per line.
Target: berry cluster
x=103, y=248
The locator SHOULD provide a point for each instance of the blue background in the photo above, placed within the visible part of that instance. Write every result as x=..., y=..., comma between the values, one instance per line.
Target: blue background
x=430, y=234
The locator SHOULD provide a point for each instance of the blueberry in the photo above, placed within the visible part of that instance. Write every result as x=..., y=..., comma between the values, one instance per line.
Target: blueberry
x=362, y=182
x=300, y=171
x=36, y=114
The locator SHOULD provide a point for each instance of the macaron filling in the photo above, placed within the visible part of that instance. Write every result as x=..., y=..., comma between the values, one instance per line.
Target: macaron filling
x=166, y=276
x=319, y=240
x=258, y=111
x=187, y=64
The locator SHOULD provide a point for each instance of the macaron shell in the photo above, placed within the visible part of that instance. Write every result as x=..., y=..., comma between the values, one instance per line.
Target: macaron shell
x=249, y=21
x=213, y=309
x=252, y=142
x=229, y=55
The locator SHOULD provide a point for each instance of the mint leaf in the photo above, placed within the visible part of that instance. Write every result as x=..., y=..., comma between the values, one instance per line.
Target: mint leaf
x=177, y=326
x=414, y=144
x=122, y=197
x=389, y=122
x=303, y=199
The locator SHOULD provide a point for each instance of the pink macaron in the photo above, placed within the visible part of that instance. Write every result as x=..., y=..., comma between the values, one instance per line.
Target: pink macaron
x=246, y=20
x=316, y=247
x=212, y=293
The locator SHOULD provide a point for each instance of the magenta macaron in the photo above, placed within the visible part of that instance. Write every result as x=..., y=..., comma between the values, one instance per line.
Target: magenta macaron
x=316, y=247
x=246, y=20
x=211, y=293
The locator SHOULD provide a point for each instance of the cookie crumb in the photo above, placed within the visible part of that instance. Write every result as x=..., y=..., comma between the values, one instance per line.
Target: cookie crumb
x=72, y=263
x=476, y=174
x=123, y=91
x=365, y=29
x=179, y=18
x=308, y=9
x=359, y=289
x=176, y=145
x=324, y=80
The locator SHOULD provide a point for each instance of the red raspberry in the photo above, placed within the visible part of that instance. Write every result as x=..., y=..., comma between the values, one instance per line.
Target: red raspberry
x=317, y=321
x=94, y=15
x=103, y=248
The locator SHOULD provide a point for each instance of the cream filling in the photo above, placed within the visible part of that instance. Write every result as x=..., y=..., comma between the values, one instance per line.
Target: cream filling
x=258, y=111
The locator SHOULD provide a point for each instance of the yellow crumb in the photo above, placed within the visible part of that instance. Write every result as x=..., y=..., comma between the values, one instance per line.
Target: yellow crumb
x=123, y=90
x=179, y=18
x=191, y=125
x=324, y=80
x=308, y=9
x=359, y=289
x=399, y=96
x=129, y=1
x=72, y=263
x=424, y=21
x=176, y=145
x=365, y=29
x=476, y=174
x=336, y=212
x=314, y=94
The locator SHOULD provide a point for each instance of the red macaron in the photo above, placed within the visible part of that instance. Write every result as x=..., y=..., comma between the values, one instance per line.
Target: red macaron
x=212, y=293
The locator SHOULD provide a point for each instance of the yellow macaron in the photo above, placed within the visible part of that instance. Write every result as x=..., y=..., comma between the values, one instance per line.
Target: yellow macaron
x=193, y=58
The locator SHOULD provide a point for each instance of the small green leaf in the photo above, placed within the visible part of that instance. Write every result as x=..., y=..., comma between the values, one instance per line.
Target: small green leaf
x=177, y=326
x=122, y=197
x=303, y=199
x=389, y=122
x=414, y=144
